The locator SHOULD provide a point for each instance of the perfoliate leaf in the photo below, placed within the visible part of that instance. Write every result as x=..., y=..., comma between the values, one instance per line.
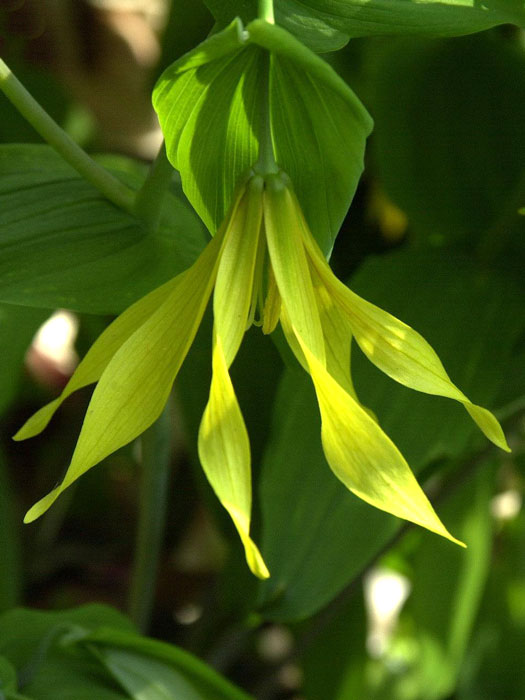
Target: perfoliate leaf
x=212, y=104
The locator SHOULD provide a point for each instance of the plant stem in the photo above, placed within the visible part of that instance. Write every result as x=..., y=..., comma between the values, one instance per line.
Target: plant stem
x=266, y=162
x=107, y=184
x=148, y=202
x=266, y=11
x=156, y=452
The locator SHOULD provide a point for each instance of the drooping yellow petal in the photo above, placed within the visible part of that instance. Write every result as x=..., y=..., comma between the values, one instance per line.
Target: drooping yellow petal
x=290, y=265
x=272, y=305
x=232, y=298
x=396, y=348
x=135, y=385
x=364, y=458
x=100, y=354
x=224, y=452
x=338, y=338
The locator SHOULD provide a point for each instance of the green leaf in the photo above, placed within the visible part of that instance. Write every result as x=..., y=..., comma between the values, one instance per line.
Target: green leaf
x=326, y=25
x=319, y=129
x=10, y=545
x=328, y=673
x=369, y=17
x=317, y=536
x=314, y=33
x=31, y=640
x=18, y=325
x=7, y=676
x=448, y=141
x=63, y=244
x=211, y=104
x=153, y=670
x=146, y=679
x=209, y=108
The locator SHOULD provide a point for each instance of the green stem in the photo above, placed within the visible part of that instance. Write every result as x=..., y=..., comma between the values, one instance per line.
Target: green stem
x=156, y=453
x=266, y=11
x=109, y=186
x=266, y=162
x=148, y=203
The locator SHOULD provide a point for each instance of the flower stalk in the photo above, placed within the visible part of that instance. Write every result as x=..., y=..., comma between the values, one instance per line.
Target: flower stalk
x=266, y=11
x=155, y=462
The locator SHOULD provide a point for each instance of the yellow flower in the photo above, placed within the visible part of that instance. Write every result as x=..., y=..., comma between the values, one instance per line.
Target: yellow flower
x=263, y=257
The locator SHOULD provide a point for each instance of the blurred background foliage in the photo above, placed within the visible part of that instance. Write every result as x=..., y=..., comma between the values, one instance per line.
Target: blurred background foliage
x=358, y=605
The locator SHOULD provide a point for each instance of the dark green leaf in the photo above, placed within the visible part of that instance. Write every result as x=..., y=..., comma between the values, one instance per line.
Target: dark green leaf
x=63, y=244
x=369, y=17
x=31, y=640
x=448, y=140
x=326, y=25
x=7, y=676
x=9, y=541
x=18, y=325
x=161, y=670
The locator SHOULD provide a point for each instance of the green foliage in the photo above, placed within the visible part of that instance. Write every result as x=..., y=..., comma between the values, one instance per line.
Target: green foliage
x=18, y=325
x=165, y=670
x=63, y=244
x=91, y=651
x=318, y=126
x=440, y=149
x=326, y=25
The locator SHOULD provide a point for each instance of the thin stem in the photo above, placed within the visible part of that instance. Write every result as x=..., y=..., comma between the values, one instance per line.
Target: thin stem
x=266, y=11
x=148, y=203
x=109, y=186
x=156, y=453
x=266, y=162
